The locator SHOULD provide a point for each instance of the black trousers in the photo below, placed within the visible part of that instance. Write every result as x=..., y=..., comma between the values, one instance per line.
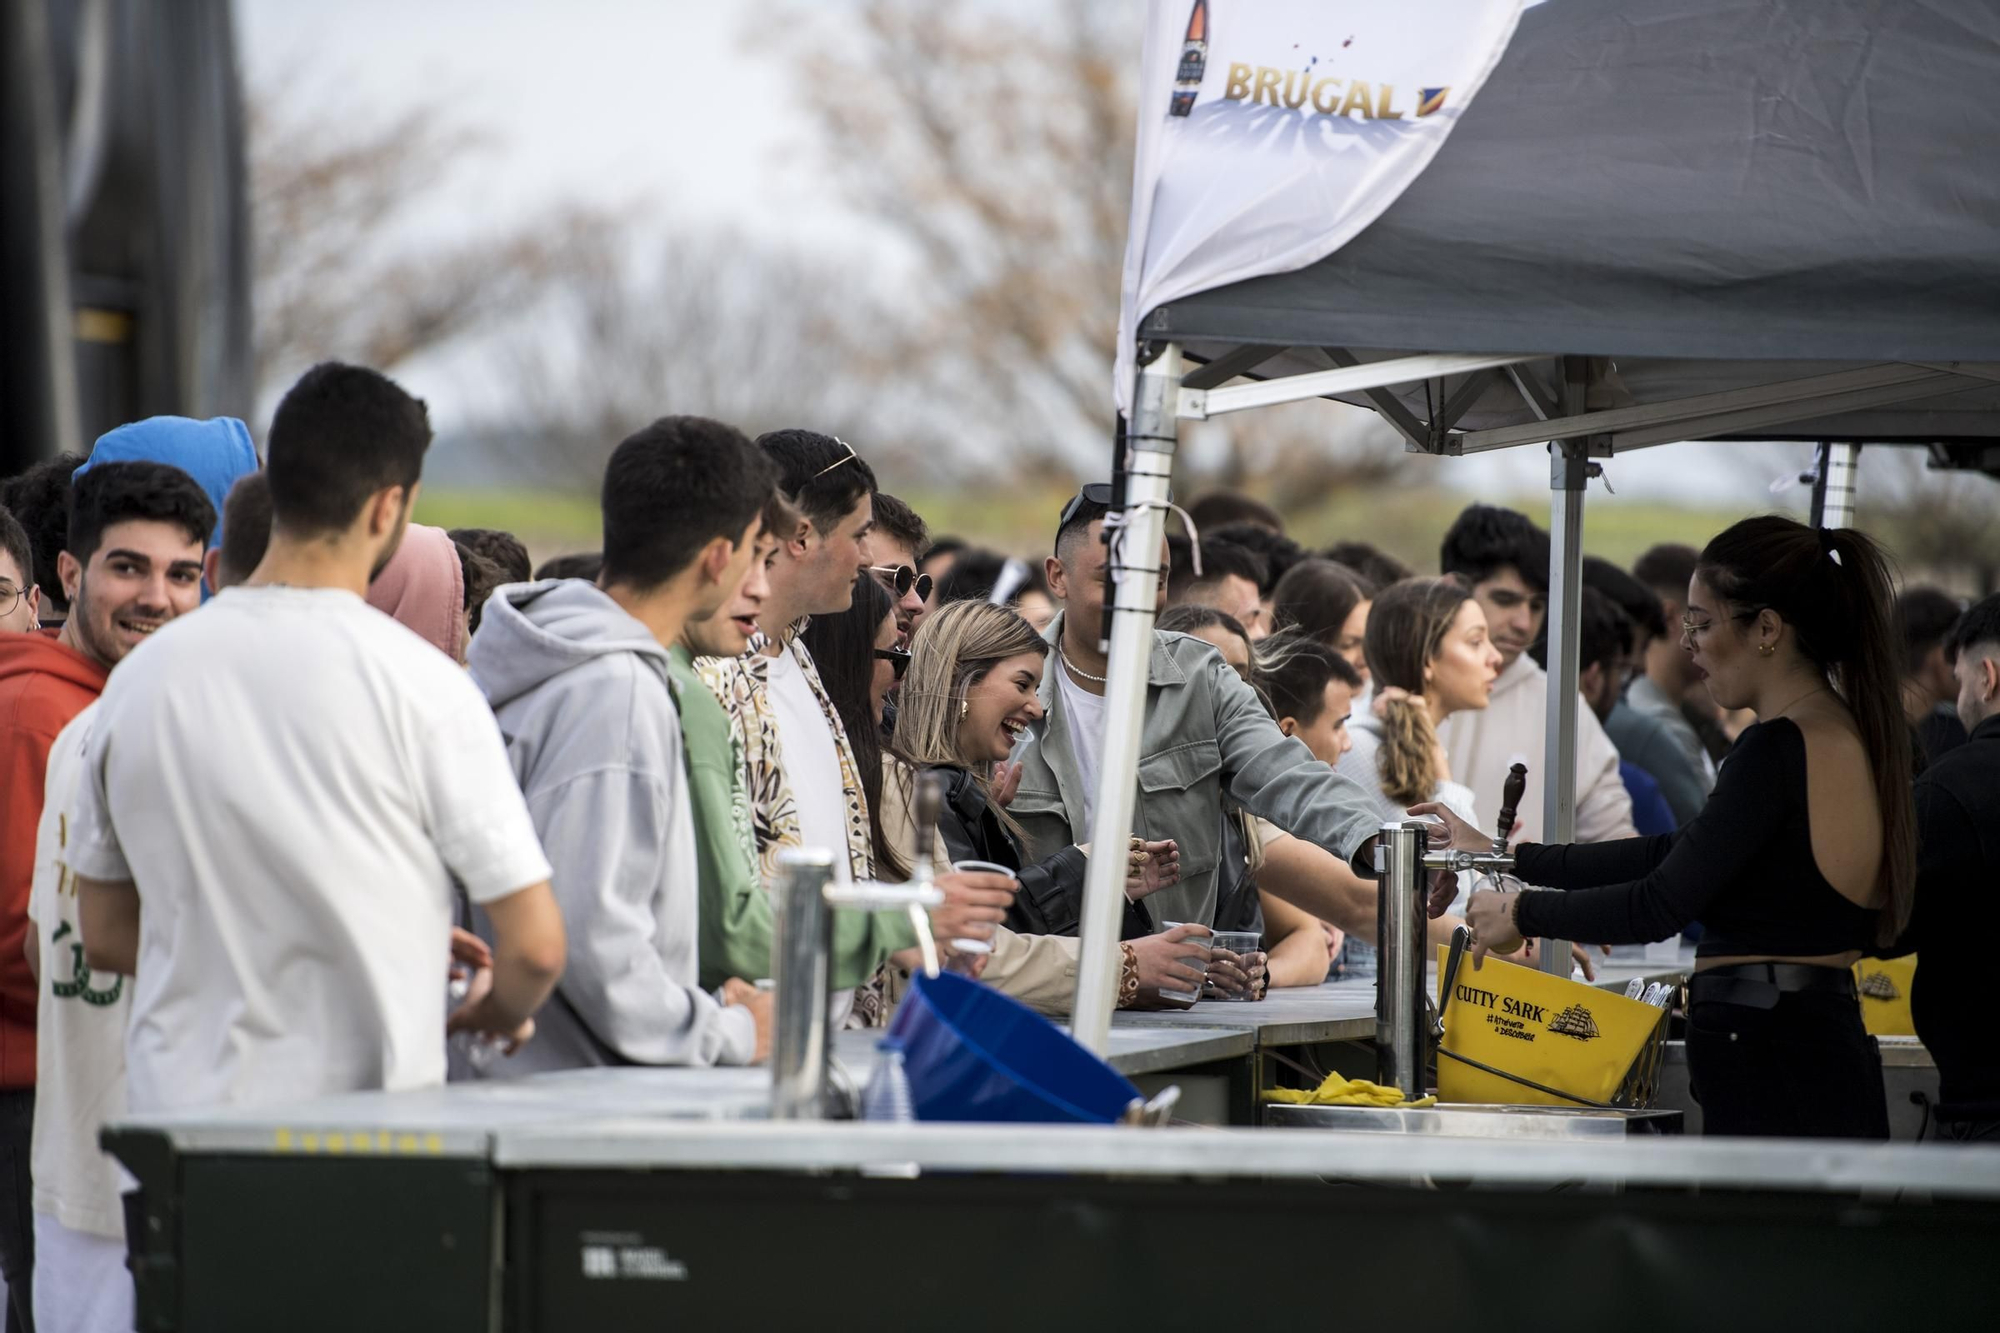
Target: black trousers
x=17, y=1206
x=1804, y=1068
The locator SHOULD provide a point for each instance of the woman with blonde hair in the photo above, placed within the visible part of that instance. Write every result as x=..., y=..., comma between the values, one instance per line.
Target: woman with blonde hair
x=970, y=692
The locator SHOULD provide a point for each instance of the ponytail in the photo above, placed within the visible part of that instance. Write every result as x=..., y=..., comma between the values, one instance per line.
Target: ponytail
x=1407, y=759
x=1406, y=630
x=1861, y=661
x=1835, y=588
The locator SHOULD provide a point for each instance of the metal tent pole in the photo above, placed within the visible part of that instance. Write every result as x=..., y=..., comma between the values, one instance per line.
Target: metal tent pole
x=1833, y=497
x=1569, y=469
x=1149, y=460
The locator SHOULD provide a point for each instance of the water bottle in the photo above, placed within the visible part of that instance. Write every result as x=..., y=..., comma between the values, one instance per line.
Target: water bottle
x=888, y=1096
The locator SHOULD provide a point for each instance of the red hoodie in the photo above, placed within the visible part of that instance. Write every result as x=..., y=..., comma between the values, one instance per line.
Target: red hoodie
x=42, y=686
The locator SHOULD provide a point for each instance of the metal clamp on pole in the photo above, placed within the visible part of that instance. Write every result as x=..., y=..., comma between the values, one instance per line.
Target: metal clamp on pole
x=807, y=895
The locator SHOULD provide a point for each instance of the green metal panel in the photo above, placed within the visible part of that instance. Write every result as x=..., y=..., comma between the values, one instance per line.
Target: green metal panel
x=314, y=1242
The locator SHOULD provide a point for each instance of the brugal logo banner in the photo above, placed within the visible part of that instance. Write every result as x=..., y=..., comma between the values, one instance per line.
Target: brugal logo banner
x=1272, y=131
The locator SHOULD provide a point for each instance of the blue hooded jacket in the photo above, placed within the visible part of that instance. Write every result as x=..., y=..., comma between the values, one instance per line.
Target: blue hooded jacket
x=216, y=453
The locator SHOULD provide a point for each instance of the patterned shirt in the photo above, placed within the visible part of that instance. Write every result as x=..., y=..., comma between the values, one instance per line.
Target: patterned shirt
x=862, y=941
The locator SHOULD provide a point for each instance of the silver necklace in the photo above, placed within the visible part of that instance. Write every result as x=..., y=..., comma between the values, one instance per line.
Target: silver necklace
x=1077, y=669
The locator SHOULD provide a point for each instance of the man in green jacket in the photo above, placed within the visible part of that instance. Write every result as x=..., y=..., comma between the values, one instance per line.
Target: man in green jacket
x=735, y=921
x=1206, y=737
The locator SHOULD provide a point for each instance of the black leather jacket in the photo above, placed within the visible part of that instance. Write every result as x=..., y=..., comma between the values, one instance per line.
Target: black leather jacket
x=1051, y=889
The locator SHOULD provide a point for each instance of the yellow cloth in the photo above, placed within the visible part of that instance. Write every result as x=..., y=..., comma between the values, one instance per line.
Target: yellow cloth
x=1338, y=1091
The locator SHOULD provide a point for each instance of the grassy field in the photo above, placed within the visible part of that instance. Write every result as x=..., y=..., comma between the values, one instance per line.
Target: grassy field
x=1406, y=521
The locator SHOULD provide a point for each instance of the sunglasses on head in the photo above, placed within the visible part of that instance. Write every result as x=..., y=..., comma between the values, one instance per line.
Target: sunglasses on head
x=848, y=457
x=1095, y=495
x=900, y=579
x=898, y=658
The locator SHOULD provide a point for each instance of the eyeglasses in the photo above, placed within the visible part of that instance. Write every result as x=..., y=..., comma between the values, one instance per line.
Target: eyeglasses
x=1096, y=494
x=849, y=457
x=1691, y=627
x=896, y=657
x=900, y=579
x=10, y=597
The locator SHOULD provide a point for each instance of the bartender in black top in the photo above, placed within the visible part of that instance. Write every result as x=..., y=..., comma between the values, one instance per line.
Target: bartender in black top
x=1794, y=876
x=1958, y=861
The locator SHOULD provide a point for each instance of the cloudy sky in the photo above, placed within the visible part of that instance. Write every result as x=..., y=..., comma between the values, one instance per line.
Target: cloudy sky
x=668, y=105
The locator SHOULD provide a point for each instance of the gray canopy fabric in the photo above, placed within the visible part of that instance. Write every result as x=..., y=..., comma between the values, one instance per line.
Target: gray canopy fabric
x=1705, y=195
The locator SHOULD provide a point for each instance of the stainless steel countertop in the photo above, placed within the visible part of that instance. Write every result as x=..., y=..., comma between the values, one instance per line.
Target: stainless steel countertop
x=1343, y=1011
x=1800, y=1166
x=461, y=1119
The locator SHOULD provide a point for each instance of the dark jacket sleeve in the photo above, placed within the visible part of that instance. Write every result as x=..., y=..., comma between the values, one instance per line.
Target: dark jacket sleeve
x=1671, y=768
x=1948, y=863
x=1642, y=889
x=1050, y=893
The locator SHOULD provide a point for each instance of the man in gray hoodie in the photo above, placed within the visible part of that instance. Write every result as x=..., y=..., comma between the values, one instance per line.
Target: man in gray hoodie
x=578, y=675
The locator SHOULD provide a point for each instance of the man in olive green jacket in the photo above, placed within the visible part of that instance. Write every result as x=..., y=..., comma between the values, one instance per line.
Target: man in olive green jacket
x=1206, y=736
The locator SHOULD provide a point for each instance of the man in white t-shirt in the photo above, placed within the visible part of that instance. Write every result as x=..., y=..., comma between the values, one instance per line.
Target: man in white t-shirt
x=272, y=811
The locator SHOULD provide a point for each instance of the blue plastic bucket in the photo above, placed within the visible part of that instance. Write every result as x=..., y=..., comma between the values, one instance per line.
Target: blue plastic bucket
x=972, y=1053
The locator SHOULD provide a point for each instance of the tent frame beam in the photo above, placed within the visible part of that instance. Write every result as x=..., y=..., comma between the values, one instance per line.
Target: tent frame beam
x=1201, y=404
x=1387, y=404
x=1609, y=431
x=1799, y=398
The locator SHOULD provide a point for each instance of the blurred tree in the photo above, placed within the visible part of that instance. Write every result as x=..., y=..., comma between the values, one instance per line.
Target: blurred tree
x=994, y=147
x=704, y=323
x=1942, y=525
x=342, y=266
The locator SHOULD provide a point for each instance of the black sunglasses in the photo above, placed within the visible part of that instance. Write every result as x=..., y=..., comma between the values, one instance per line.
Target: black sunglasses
x=897, y=657
x=899, y=579
x=1096, y=494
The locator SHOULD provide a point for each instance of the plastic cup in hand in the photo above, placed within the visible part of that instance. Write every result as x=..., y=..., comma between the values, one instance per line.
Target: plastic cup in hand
x=478, y=1049
x=1193, y=961
x=1235, y=960
x=978, y=868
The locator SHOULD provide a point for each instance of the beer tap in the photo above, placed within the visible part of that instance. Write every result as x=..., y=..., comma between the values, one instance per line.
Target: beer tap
x=807, y=895
x=1404, y=862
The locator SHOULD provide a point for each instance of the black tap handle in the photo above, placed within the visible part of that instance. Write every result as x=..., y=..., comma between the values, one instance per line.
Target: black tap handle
x=1510, y=801
x=928, y=807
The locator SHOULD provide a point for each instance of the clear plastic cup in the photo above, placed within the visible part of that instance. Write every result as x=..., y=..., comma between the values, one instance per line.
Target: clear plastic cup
x=979, y=868
x=1196, y=961
x=1235, y=954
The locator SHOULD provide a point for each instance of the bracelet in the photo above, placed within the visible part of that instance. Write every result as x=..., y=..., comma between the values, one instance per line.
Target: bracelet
x=1128, y=977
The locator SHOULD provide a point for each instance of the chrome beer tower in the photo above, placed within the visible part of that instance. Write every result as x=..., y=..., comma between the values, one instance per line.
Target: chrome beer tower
x=807, y=895
x=1404, y=863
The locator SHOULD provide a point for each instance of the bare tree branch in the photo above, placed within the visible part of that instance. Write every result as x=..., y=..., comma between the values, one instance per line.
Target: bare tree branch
x=338, y=270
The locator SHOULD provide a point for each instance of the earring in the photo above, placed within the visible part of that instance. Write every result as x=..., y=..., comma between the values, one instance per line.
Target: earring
x=1765, y=649
x=964, y=709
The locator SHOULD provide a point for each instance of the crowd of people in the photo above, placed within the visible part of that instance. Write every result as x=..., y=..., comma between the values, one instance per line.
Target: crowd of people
x=305, y=798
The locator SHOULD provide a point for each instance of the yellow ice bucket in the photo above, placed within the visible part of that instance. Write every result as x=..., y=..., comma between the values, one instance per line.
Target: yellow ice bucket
x=1518, y=1035
x=1885, y=984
